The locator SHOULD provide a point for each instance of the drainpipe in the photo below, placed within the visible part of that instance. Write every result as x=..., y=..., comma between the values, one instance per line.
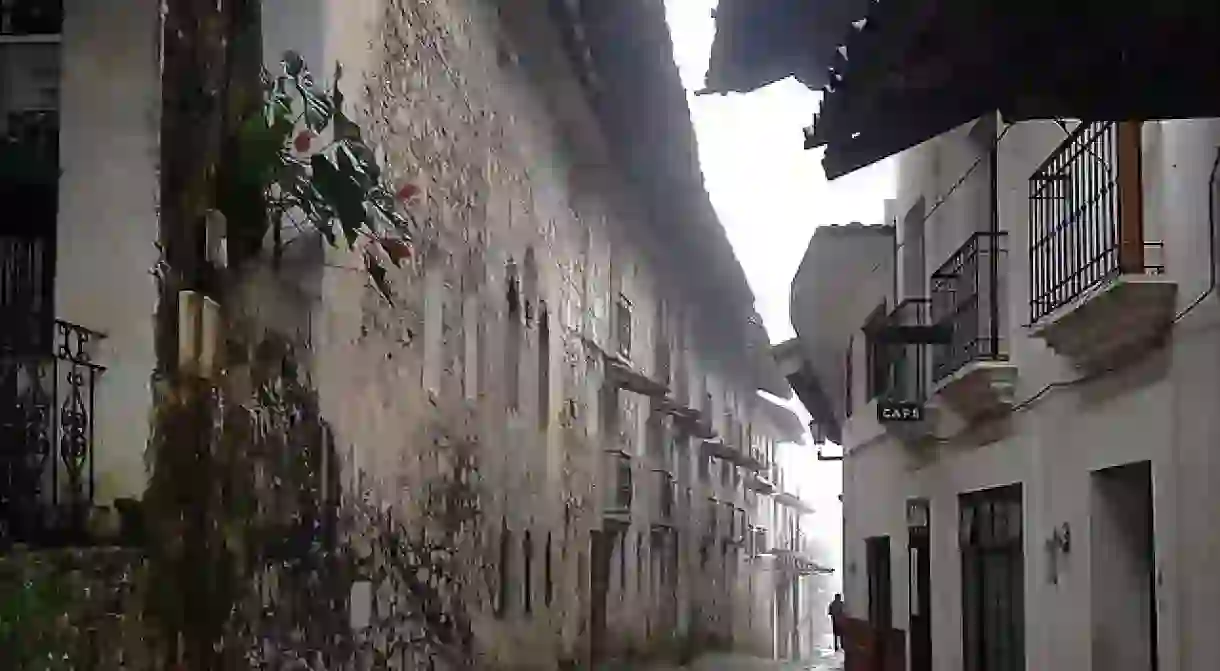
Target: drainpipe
x=994, y=289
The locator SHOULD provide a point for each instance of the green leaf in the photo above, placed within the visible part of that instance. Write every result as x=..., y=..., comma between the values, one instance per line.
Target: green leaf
x=378, y=274
x=260, y=145
x=318, y=109
x=293, y=63
x=343, y=194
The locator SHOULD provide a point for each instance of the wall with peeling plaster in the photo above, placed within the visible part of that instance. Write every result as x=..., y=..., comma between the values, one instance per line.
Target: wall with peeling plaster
x=482, y=110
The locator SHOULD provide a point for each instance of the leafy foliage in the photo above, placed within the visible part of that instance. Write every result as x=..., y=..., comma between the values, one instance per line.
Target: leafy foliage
x=304, y=165
x=31, y=632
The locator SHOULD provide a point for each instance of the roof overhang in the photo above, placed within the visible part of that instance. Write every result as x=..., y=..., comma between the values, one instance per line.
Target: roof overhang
x=918, y=69
x=786, y=425
x=759, y=42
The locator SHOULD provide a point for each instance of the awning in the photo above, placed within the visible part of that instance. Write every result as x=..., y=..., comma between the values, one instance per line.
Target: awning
x=915, y=70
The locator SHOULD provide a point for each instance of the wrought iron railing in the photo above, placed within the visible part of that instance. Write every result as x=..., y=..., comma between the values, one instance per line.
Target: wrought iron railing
x=966, y=297
x=46, y=439
x=1074, y=219
x=906, y=367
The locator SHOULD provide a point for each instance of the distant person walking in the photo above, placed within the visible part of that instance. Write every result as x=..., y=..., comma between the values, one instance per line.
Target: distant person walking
x=836, y=621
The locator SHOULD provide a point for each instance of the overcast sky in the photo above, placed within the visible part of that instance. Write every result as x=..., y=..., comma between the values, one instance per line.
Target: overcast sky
x=770, y=195
x=769, y=192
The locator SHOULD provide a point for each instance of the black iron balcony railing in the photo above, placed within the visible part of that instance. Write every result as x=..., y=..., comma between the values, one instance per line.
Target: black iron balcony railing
x=46, y=439
x=903, y=370
x=1075, y=219
x=967, y=295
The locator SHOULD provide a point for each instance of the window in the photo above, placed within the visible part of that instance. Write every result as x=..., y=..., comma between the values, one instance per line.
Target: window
x=31, y=17
x=544, y=366
x=505, y=555
x=877, y=355
x=514, y=344
x=620, y=490
x=610, y=413
x=661, y=347
x=527, y=586
x=639, y=561
x=548, y=573
x=622, y=324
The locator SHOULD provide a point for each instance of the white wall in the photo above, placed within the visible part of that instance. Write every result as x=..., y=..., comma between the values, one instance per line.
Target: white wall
x=1161, y=409
x=109, y=188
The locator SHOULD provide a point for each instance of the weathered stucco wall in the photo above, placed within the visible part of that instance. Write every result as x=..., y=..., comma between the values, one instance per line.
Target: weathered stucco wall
x=483, y=111
x=106, y=242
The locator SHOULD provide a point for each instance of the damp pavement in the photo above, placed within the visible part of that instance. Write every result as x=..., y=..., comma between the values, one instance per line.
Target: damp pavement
x=821, y=660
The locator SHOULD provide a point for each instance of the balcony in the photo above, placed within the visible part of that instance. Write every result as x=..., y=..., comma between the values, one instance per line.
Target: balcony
x=46, y=436
x=900, y=356
x=793, y=501
x=1097, y=288
x=759, y=483
x=971, y=371
x=619, y=490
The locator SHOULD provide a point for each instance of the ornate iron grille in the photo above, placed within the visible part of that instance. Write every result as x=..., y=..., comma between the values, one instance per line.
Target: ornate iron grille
x=1075, y=218
x=46, y=439
x=966, y=297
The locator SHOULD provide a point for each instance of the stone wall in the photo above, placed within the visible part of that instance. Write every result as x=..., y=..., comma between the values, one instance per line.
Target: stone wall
x=469, y=421
x=491, y=355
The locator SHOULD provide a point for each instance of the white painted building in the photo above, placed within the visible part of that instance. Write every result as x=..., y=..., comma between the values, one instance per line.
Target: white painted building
x=1054, y=506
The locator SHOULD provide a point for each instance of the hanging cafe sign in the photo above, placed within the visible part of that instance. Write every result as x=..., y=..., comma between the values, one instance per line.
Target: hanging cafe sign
x=899, y=411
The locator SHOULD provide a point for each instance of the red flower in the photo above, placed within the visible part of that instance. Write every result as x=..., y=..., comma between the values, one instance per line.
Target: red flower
x=397, y=249
x=302, y=142
x=407, y=191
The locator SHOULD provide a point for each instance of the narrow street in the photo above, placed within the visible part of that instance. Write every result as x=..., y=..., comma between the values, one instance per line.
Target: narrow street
x=825, y=660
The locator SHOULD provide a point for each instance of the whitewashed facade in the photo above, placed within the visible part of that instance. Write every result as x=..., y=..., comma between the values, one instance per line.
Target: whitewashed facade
x=1079, y=416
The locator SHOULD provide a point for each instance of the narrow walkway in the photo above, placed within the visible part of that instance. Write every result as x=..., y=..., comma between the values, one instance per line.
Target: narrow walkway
x=824, y=661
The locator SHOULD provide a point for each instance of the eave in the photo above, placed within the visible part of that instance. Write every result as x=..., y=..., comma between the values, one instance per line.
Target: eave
x=920, y=69
x=759, y=42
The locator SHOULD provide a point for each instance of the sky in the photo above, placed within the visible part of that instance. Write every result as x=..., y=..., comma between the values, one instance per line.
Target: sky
x=770, y=195
x=769, y=192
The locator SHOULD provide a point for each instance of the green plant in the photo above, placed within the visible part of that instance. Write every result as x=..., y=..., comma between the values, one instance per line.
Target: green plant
x=302, y=164
x=33, y=629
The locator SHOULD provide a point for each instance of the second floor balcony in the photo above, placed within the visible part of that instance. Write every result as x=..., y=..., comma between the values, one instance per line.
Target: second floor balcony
x=971, y=370
x=1098, y=289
